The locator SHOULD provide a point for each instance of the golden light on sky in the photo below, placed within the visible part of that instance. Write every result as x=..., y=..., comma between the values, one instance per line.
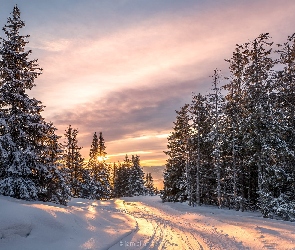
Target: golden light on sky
x=101, y=158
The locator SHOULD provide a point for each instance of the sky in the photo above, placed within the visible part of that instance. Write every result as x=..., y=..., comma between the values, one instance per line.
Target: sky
x=123, y=67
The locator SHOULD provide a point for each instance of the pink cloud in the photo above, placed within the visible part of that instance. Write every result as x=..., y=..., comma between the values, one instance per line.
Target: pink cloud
x=145, y=52
x=164, y=50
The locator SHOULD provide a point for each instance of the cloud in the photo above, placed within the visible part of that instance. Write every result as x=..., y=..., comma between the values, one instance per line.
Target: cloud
x=128, y=79
x=162, y=47
x=132, y=120
x=127, y=111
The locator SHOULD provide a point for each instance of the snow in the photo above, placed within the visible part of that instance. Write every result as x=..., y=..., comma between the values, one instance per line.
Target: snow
x=84, y=224
x=136, y=223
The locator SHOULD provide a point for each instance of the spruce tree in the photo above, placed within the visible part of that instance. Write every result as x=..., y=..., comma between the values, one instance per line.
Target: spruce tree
x=149, y=184
x=216, y=114
x=284, y=198
x=235, y=119
x=112, y=174
x=122, y=176
x=125, y=176
x=99, y=169
x=27, y=171
x=177, y=170
x=136, y=177
x=53, y=180
x=74, y=163
x=118, y=181
x=260, y=133
x=201, y=148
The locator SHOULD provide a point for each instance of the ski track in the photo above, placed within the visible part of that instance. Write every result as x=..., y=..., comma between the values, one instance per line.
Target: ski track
x=159, y=226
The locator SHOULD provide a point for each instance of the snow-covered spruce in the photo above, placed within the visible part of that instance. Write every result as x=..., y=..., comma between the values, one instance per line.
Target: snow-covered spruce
x=202, y=167
x=129, y=178
x=247, y=162
x=99, y=172
x=216, y=105
x=149, y=185
x=177, y=173
x=28, y=145
x=74, y=164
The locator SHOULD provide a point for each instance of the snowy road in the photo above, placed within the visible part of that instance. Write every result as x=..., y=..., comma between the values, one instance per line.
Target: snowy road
x=135, y=223
x=177, y=226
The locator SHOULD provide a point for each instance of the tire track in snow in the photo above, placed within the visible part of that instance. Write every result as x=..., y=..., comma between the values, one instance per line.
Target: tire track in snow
x=183, y=233
x=229, y=229
x=162, y=226
x=157, y=229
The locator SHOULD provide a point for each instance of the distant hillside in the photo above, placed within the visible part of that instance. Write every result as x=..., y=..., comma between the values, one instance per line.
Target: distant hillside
x=157, y=173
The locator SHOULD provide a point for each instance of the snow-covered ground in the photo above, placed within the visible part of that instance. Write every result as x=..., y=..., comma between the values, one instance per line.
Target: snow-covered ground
x=84, y=224
x=136, y=223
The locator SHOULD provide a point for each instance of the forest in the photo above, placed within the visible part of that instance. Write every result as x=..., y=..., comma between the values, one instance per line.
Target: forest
x=34, y=164
x=234, y=147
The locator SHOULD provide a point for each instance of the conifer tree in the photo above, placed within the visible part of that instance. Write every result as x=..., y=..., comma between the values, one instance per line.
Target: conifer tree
x=53, y=181
x=112, y=170
x=136, y=177
x=118, y=181
x=177, y=172
x=126, y=174
x=248, y=142
x=99, y=169
x=74, y=163
x=201, y=147
x=216, y=115
x=27, y=172
x=260, y=136
x=284, y=198
x=149, y=184
x=235, y=120
x=122, y=175
x=101, y=146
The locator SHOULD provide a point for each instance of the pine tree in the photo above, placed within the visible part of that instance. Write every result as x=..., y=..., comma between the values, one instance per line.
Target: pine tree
x=284, y=199
x=136, y=177
x=177, y=172
x=201, y=148
x=26, y=171
x=216, y=115
x=53, y=181
x=99, y=169
x=74, y=163
x=121, y=184
x=116, y=180
x=125, y=176
x=101, y=147
x=241, y=152
x=235, y=120
x=112, y=176
x=128, y=178
x=149, y=184
x=268, y=146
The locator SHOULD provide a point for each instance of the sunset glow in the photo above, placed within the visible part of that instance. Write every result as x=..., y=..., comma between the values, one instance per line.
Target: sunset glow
x=124, y=67
x=101, y=158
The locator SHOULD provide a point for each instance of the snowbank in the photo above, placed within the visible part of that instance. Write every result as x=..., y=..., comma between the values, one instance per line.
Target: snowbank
x=83, y=224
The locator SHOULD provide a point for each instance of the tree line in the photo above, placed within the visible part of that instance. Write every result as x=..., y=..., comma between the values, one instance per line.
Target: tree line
x=97, y=179
x=34, y=165
x=234, y=147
